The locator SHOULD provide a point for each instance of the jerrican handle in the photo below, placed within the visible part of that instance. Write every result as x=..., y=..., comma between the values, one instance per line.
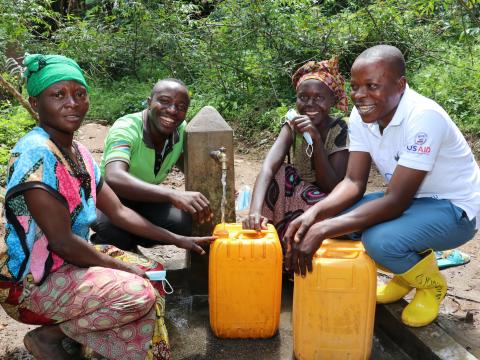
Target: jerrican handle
x=252, y=234
x=342, y=253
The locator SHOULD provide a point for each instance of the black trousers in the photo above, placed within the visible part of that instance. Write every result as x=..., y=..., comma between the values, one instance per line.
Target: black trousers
x=164, y=215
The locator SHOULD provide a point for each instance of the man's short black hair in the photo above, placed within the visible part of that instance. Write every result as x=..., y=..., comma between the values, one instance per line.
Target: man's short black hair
x=159, y=82
x=389, y=53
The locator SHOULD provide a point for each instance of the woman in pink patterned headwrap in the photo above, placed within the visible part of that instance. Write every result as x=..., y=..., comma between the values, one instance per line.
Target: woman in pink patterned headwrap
x=284, y=191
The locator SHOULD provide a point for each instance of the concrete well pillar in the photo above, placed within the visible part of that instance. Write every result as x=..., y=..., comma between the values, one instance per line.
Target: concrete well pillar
x=206, y=132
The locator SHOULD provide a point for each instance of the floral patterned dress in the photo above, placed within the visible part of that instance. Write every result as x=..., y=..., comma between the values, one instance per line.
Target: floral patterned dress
x=117, y=314
x=293, y=189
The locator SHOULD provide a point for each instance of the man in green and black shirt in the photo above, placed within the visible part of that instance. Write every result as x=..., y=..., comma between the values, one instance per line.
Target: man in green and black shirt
x=140, y=150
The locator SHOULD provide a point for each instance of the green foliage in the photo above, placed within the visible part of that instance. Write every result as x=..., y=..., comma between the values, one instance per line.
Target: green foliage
x=110, y=101
x=15, y=121
x=238, y=55
x=453, y=83
x=24, y=22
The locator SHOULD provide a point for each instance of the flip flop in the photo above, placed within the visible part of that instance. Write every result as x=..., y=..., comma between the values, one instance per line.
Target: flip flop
x=31, y=347
x=451, y=258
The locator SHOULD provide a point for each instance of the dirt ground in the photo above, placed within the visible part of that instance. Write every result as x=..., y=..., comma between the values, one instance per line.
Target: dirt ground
x=460, y=312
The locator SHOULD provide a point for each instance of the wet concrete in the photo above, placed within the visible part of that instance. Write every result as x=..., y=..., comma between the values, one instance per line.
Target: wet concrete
x=188, y=324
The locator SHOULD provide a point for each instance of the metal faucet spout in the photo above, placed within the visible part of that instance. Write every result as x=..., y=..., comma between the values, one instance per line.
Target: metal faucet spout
x=220, y=156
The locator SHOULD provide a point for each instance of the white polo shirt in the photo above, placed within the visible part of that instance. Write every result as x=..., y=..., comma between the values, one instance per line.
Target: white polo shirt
x=422, y=136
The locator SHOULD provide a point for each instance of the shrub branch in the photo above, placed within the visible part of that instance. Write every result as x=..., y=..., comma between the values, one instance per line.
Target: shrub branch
x=7, y=86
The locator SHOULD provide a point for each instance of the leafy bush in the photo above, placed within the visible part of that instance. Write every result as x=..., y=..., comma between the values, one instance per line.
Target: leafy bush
x=453, y=82
x=238, y=55
x=111, y=101
x=15, y=121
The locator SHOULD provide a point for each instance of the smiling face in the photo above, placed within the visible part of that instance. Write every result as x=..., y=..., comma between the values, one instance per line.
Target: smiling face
x=376, y=90
x=61, y=107
x=315, y=100
x=167, y=107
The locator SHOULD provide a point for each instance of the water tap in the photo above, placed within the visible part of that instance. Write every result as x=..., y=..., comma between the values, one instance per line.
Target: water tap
x=220, y=156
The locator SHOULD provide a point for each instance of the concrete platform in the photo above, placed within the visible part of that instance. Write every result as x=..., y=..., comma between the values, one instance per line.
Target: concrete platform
x=431, y=342
x=187, y=321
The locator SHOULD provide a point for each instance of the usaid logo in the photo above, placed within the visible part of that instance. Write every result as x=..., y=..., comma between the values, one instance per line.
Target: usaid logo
x=418, y=149
x=421, y=138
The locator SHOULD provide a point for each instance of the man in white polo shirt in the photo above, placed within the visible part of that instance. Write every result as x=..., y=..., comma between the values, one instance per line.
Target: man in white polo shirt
x=433, y=194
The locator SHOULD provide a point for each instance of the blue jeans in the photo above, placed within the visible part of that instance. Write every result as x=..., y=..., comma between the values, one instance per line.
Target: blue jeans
x=427, y=224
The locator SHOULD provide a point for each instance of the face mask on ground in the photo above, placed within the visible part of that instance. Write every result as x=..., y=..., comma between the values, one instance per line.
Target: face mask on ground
x=160, y=275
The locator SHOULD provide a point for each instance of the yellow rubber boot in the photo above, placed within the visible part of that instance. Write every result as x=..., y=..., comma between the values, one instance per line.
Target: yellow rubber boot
x=393, y=291
x=431, y=288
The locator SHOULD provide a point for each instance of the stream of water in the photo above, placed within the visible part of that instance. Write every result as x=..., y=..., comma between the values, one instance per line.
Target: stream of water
x=224, y=195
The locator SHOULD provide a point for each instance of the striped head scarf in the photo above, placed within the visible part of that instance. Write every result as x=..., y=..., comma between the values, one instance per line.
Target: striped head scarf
x=327, y=72
x=45, y=70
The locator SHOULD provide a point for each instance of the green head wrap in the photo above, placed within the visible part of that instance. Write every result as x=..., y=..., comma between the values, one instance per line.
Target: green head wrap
x=45, y=70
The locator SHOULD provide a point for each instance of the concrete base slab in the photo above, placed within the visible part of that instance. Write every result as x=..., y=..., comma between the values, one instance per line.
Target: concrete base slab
x=171, y=256
x=187, y=320
x=427, y=343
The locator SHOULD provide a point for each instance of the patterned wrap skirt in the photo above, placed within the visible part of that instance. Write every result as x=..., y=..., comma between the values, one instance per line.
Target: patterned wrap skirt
x=117, y=314
x=288, y=197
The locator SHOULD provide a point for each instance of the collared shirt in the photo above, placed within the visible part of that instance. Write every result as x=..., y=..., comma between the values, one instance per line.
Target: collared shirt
x=160, y=155
x=128, y=141
x=422, y=136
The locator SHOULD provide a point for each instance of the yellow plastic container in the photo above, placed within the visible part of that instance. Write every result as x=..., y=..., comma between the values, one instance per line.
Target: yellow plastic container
x=245, y=282
x=334, y=306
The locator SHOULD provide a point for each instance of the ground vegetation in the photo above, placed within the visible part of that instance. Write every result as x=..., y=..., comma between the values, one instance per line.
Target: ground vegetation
x=236, y=55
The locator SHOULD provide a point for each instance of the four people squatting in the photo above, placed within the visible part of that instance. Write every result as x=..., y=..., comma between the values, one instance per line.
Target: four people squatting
x=98, y=295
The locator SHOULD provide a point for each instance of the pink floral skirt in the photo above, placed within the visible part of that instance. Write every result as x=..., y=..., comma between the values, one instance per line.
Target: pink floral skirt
x=288, y=197
x=117, y=314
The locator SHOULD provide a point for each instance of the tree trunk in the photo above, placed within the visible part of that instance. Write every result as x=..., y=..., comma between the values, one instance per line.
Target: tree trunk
x=71, y=6
x=7, y=86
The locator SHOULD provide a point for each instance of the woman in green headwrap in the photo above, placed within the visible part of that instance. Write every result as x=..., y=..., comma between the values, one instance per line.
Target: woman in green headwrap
x=49, y=274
